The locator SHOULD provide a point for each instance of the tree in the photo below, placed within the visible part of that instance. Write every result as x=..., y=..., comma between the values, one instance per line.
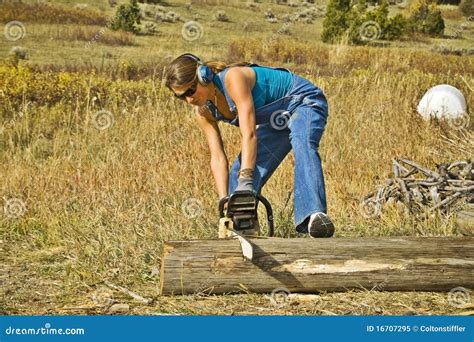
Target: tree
x=426, y=18
x=127, y=17
x=366, y=26
x=361, y=26
x=397, y=27
x=336, y=22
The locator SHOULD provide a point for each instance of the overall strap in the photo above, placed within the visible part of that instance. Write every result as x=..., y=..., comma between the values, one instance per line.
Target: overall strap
x=269, y=67
x=231, y=103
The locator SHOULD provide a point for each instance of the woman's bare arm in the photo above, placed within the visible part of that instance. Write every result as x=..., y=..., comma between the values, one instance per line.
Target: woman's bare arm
x=241, y=94
x=219, y=163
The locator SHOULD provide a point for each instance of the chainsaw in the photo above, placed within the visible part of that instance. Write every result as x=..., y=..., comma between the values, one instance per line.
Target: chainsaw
x=240, y=219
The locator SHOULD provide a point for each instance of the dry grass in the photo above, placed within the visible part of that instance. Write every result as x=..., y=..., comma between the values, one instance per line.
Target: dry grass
x=99, y=203
x=341, y=59
x=92, y=34
x=40, y=12
x=451, y=12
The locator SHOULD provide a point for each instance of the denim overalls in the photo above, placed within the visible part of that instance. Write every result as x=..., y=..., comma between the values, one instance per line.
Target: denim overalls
x=297, y=121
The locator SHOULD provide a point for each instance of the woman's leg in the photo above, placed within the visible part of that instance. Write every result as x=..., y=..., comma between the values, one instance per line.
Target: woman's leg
x=272, y=147
x=307, y=126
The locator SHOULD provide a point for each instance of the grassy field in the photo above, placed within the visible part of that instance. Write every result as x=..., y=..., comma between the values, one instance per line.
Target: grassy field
x=98, y=162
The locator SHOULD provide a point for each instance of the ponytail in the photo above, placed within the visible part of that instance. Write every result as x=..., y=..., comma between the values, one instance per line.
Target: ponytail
x=218, y=66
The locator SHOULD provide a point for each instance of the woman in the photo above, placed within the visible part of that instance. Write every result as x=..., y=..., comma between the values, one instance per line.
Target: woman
x=290, y=112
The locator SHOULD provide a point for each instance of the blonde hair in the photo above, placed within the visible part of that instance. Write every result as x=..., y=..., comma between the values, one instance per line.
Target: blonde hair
x=182, y=70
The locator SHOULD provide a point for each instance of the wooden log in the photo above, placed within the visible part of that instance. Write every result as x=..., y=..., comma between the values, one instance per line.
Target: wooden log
x=313, y=265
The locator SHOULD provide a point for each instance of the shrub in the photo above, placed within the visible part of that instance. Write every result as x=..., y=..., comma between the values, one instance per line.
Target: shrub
x=16, y=54
x=397, y=27
x=426, y=18
x=127, y=18
x=433, y=23
x=48, y=88
x=361, y=26
x=151, y=27
x=221, y=16
x=390, y=28
x=168, y=17
x=336, y=22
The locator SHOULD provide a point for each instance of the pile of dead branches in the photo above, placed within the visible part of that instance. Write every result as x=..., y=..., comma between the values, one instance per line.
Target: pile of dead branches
x=421, y=190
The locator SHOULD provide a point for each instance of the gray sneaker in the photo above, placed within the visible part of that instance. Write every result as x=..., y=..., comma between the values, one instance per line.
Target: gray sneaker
x=320, y=225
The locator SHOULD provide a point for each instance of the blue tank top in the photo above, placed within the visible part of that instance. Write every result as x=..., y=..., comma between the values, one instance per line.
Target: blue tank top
x=271, y=84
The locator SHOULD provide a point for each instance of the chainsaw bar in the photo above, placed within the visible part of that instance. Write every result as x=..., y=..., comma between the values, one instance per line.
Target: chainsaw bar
x=245, y=244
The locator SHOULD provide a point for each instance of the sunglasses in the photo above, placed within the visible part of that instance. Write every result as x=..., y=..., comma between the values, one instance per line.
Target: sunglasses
x=190, y=92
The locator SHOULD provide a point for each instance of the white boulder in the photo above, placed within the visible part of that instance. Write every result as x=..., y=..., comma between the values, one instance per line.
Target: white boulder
x=443, y=102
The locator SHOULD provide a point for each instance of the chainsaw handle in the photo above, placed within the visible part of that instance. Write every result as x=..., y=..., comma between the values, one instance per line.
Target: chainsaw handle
x=269, y=209
x=222, y=202
x=226, y=199
x=260, y=198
